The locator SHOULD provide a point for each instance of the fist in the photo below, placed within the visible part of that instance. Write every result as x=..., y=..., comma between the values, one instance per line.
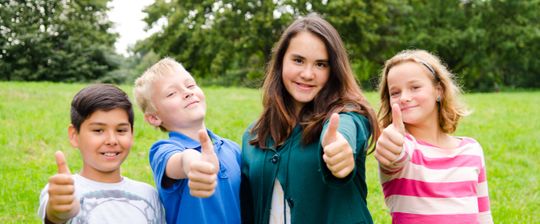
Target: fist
x=389, y=147
x=338, y=154
x=62, y=204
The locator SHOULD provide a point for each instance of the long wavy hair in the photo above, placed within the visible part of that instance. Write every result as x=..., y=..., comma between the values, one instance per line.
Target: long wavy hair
x=341, y=93
x=451, y=109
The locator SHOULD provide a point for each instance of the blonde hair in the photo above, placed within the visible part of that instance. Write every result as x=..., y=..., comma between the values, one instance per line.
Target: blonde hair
x=451, y=109
x=143, y=84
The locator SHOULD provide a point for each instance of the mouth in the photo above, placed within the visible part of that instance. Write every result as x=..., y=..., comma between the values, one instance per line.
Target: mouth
x=303, y=86
x=191, y=103
x=407, y=108
x=110, y=154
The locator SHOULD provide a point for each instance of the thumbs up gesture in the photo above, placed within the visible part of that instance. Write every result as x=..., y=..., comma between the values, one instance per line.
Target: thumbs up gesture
x=338, y=154
x=202, y=172
x=62, y=204
x=389, y=147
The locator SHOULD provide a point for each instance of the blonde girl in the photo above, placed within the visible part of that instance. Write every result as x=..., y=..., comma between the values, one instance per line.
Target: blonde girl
x=427, y=175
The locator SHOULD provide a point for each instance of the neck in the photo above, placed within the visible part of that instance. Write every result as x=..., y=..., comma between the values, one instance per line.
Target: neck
x=430, y=133
x=191, y=131
x=104, y=177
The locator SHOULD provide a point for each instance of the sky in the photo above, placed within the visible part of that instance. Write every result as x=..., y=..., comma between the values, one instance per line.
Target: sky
x=128, y=17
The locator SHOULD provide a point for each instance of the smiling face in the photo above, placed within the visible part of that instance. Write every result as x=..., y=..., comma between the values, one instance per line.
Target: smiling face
x=179, y=102
x=305, y=68
x=104, y=140
x=411, y=86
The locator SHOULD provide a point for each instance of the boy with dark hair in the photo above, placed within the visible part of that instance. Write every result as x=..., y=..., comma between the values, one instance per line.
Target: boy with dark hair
x=102, y=129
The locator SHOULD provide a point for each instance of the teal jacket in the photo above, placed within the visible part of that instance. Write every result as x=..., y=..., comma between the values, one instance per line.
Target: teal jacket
x=313, y=194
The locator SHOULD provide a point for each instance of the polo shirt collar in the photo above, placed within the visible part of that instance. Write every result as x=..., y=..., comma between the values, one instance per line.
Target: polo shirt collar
x=194, y=144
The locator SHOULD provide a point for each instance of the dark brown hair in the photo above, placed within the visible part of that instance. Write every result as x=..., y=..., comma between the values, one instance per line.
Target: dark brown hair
x=96, y=97
x=340, y=94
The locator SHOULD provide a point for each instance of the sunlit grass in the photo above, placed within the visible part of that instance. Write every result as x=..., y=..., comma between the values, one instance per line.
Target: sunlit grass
x=34, y=119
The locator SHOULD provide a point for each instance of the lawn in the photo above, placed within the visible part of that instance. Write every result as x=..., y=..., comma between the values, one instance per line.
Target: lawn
x=34, y=119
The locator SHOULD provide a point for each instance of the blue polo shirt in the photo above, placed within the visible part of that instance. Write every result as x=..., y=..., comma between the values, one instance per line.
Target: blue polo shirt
x=180, y=207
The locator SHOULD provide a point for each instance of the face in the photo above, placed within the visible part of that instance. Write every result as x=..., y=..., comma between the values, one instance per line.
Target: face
x=179, y=102
x=104, y=140
x=305, y=68
x=411, y=86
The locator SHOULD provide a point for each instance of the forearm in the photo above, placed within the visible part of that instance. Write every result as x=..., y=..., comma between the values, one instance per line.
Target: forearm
x=179, y=163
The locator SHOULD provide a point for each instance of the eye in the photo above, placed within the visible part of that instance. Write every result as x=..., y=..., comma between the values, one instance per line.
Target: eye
x=322, y=65
x=415, y=87
x=394, y=93
x=171, y=94
x=191, y=86
x=123, y=130
x=297, y=61
x=98, y=130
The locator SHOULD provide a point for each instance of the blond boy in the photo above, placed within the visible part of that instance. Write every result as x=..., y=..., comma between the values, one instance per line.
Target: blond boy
x=196, y=172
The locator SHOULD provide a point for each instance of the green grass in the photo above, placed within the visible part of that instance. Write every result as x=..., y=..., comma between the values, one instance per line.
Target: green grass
x=34, y=119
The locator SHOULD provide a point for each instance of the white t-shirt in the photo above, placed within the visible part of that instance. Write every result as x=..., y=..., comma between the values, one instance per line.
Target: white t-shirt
x=127, y=201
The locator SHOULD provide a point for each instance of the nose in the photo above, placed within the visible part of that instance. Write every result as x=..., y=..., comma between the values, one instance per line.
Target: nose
x=308, y=73
x=111, y=139
x=405, y=97
x=188, y=93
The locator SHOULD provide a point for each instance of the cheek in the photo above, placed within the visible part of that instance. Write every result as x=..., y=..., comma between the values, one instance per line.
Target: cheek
x=288, y=72
x=323, y=77
x=126, y=141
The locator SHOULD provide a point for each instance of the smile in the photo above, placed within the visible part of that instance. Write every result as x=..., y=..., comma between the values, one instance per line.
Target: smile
x=192, y=103
x=110, y=154
x=302, y=86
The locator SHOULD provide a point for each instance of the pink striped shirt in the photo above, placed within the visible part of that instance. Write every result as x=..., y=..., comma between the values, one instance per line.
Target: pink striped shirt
x=434, y=185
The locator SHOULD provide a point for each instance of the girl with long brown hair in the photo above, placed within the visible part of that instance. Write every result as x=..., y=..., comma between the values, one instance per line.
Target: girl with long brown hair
x=303, y=160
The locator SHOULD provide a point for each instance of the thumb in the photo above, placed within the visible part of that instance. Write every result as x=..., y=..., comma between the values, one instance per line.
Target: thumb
x=397, y=120
x=61, y=163
x=331, y=133
x=207, y=148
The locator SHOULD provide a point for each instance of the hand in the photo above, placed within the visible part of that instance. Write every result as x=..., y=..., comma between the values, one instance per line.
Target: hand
x=62, y=204
x=338, y=154
x=389, y=147
x=202, y=172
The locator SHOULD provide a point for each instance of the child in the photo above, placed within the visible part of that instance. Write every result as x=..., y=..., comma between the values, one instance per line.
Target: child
x=198, y=181
x=427, y=175
x=102, y=129
x=303, y=160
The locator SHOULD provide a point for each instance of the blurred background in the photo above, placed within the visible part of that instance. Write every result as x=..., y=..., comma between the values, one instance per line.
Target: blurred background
x=491, y=45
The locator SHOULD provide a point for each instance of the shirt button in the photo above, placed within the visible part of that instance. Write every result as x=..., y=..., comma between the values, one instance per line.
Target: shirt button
x=275, y=158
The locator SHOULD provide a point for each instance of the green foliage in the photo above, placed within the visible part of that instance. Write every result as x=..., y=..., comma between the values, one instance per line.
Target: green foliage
x=60, y=40
x=231, y=41
x=489, y=44
x=34, y=119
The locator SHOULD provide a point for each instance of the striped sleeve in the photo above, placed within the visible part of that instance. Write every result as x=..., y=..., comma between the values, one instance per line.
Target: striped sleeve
x=484, y=210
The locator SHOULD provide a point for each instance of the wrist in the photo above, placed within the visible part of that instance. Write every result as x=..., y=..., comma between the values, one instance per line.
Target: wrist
x=189, y=155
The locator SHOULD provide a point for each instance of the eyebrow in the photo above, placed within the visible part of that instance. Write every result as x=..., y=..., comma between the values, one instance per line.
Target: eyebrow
x=302, y=57
x=105, y=124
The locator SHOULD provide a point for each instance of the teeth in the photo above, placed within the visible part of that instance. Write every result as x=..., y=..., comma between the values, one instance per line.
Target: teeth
x=110, y=153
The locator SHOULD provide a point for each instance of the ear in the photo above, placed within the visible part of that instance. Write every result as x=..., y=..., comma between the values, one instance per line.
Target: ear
x=152, y=119
x=440, y=92
x=73, y=136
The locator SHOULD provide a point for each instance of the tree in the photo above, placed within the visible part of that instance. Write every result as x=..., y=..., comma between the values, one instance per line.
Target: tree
x=487, y=43
x=230, y=41
x=61, y=40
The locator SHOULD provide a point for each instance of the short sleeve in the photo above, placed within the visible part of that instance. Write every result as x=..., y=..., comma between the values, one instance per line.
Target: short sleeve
x=43, y=199
x=159, y=155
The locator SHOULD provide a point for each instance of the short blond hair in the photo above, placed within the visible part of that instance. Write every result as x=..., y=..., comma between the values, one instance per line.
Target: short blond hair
x=451, y=109
x=143, y=84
